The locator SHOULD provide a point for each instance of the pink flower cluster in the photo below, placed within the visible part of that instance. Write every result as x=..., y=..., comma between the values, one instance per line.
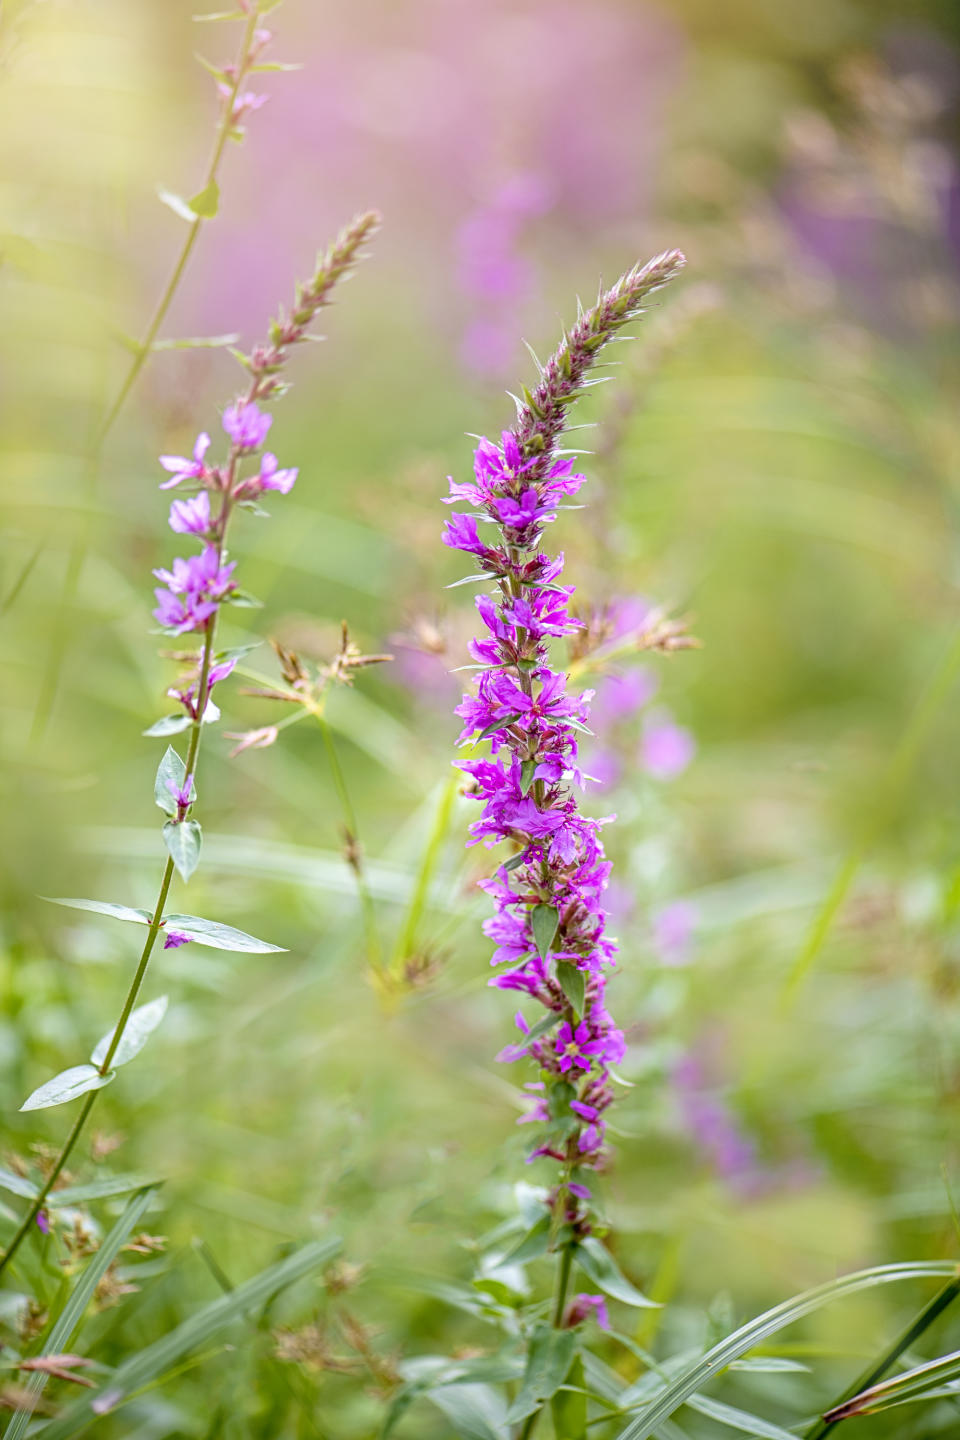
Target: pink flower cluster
x=549, y=926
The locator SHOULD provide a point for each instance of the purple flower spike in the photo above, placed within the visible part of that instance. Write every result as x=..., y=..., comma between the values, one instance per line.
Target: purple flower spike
x=195, y=588
x=191, y=517
x=181, y=468
x=247, y=426
x=548, y=892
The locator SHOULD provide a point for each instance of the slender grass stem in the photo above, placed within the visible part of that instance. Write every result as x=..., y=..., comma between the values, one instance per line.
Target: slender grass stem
x=367, y=907
x=418, y=901
x=55, y=656
x=876, y=1372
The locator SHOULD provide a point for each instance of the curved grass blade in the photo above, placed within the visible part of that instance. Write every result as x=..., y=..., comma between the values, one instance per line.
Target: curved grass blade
x=767, y=1324
x=921, y=1383
x=68, y=1321
x=144, y=1367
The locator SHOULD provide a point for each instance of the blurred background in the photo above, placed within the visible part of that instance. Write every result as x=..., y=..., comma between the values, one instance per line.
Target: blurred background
x=777, y=460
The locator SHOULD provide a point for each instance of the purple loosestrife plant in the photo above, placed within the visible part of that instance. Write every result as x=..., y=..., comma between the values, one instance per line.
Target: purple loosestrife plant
x=189, y=601
x=549, y=925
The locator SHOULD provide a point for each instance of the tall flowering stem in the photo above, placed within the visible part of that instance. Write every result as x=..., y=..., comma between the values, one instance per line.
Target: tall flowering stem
x=189, y=602
x=234, y=104
x=549, y=926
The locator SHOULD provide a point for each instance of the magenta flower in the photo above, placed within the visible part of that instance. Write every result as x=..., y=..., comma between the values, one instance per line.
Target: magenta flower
x=191, y=517
x=195, y=588
x=666, y=748
x=247, y=425
x=548, y=895
x=172, y=940
x=181, y=468
x=582, y=1306
x=270, y=478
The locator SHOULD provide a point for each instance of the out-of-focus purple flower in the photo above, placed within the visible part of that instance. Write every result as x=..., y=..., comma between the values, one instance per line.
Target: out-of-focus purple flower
x=604, y=768
x=666, y=748
x=247, y=425
x=712, y=1125
x=630, y=615
x=182, y=468
x=43, y=1222
x=172, y=940
x=582, y=1306
x=191, y=517
x=619, y=696
x=184, y=794
x=673, y=928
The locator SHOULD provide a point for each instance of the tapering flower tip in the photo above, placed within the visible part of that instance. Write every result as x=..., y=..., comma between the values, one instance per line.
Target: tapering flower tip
x=542, y=414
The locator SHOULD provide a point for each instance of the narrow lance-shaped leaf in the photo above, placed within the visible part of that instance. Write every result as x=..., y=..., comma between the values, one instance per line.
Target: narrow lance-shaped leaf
x=183, y=843
x=67, y=1086
x=168, y=725
x=219, y=937
x=104, y=907
x=544, y=922
x=568, y=1407
x=140, y=1026
x=549, y=1357
x=171, y=771
x=598, y=1265
x=572, y=984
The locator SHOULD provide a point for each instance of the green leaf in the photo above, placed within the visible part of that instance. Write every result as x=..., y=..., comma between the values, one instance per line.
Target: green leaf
x=219, y=937
x=497, y=725
x=145, y=1365
x=171, y=769
x=534, y=1243
x=544, y=922
x=183, y=843
x=177, y=204
x=206, y=202
x=67, y=1086
x=103, y=1188
x=244, y=600
x=196, y=342
x=598, y=1265
x=17, y=1185
x=104, y=907
x=921, y=1383
x=513, y=862
x=770, y=1365
x=168, y=725
x=527, y=772
x=572, y=984
x=549, y=1356
x=756, y=1331
x=543, y=1026
x=68, y=1321
x=140, y=1026
x=476, y=1412
x=738, y=1419
x=568, y=1407
x=219, y=15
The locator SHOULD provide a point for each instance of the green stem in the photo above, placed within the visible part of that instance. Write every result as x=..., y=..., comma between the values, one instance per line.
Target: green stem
x=55, y=656
x=38, y=1204
x=157, y=920
x=876, y=1372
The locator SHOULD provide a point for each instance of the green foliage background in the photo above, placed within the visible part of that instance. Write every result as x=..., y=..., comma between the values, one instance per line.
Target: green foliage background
x=778, y=458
